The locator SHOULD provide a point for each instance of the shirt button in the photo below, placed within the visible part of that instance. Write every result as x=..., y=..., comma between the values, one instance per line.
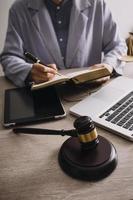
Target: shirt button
x=61, y=39
x=58, y=7
x=59, y=22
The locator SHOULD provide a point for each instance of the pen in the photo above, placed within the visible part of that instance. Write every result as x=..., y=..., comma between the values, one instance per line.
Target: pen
x=36, y=60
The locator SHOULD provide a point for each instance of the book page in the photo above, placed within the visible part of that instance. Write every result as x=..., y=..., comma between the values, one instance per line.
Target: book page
x=57, y=79
x=77, y=73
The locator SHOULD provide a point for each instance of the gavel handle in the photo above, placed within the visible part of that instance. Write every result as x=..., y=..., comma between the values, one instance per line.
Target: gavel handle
x=72, y=133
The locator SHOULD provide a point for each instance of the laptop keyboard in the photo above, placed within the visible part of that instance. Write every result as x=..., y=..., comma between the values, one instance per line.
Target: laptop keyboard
x=121, y=113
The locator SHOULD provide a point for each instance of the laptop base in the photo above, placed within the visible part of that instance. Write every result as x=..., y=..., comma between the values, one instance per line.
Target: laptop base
x=89, y=165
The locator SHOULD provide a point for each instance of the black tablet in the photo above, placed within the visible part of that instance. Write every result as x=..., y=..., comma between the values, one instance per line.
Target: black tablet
x=23, y=106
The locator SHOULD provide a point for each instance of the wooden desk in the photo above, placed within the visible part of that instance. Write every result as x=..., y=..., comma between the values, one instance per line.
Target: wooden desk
x=29, y=168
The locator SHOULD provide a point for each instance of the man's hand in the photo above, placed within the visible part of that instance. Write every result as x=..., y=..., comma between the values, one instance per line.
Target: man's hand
x=41, y=73
x=104, y=79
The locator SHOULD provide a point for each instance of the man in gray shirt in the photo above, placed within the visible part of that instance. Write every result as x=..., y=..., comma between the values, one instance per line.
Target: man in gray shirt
x=62, y=34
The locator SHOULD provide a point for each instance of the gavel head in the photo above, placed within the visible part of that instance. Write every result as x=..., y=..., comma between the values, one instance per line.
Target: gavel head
x=86, y=132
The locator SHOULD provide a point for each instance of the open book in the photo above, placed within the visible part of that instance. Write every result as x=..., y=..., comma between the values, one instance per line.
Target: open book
x=77, y=77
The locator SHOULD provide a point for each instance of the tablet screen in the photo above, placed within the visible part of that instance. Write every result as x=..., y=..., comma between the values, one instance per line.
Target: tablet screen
x=25, y=106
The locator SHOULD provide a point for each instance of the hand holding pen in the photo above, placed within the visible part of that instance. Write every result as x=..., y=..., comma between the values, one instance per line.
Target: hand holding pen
x=41, y=72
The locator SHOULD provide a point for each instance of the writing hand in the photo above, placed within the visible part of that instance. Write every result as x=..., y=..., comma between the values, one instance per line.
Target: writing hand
x=41, y=73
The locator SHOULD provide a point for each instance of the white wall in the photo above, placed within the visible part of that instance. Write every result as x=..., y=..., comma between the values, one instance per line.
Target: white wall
x=123, y=13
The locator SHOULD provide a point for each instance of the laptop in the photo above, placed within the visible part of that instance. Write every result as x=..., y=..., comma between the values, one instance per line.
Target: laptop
x=23, y=106
x=111, y=107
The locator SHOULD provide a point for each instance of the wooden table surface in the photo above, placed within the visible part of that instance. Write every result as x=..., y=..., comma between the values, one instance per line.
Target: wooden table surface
x=29, y=168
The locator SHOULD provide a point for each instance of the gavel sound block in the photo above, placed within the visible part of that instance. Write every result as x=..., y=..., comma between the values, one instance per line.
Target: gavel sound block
x=85, y=155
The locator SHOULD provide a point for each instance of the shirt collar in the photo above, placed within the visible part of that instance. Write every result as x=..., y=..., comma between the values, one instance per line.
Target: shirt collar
x=80, y=4
x=62, y=3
